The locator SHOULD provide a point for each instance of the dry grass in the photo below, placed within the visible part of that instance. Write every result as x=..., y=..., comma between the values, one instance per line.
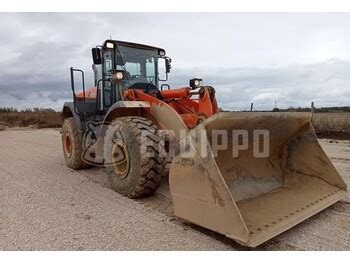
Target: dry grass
x=332, y=125
x=41, y=119
x=332, y=121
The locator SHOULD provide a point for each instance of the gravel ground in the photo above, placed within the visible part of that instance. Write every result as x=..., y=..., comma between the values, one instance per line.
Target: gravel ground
x=46, y=206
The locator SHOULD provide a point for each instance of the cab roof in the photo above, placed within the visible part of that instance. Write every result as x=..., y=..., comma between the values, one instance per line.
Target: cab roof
x=135, y=45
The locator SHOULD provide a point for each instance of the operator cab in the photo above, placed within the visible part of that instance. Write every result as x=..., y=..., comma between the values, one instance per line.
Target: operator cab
x=120, y=65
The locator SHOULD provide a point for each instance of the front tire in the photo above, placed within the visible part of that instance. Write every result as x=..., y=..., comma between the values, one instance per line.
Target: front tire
x=134, y=155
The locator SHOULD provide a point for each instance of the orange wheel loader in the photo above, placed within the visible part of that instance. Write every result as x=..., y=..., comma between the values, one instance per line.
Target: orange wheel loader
x=221, y=177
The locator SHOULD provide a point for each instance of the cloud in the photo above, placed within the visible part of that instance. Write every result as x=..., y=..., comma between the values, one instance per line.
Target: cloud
x=326, y=84
x=292, y=59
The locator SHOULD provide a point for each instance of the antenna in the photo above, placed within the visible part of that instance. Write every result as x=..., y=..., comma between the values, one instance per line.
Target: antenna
x=110, y=37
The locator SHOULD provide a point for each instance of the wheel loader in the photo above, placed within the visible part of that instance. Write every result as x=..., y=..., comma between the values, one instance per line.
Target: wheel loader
x=132, y=119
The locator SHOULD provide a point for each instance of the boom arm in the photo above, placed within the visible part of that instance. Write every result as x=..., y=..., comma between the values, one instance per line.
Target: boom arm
x=192, y=111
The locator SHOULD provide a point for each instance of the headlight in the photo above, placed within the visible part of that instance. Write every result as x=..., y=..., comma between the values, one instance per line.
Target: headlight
x=119, y=75
x=195, y=83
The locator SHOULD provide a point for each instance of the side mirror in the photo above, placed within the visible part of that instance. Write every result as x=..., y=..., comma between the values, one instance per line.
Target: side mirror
x=96, y=56
x=167, y=64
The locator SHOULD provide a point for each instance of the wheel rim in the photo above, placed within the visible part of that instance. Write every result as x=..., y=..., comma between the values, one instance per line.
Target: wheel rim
x=67, y=145
x=120, y=159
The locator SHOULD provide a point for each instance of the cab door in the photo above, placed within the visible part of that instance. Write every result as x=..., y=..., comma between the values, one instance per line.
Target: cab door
x=107, y=83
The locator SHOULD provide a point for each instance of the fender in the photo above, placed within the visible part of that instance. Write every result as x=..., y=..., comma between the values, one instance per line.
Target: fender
x=68, y=111
x=163, y=115
x=125, y=108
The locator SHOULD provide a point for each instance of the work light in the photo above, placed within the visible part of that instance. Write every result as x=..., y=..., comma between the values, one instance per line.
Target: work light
x=195, y=83
x=109, y=45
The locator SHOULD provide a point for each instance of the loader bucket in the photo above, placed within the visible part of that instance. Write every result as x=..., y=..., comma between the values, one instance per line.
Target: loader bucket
x=252, y=197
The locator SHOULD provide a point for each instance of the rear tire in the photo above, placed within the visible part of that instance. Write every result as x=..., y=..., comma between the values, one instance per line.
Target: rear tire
x=141, y=158
x=72, y=143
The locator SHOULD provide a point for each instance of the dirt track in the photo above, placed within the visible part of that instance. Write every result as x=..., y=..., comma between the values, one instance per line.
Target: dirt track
x=46, y=206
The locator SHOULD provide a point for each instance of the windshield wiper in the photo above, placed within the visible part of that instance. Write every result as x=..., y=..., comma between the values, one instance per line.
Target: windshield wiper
x=124, y=68
x=123, y=65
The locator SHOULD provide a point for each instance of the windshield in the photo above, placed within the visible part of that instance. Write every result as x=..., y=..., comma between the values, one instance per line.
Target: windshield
x=140, y=65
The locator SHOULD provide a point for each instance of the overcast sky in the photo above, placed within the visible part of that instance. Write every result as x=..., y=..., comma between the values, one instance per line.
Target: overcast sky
x=290, y=58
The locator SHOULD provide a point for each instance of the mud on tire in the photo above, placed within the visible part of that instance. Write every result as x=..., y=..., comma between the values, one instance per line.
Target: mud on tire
x=144, y=150
x=72, y=144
